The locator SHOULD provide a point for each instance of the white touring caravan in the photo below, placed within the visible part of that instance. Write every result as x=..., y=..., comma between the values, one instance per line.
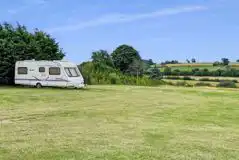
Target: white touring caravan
x=48, y=73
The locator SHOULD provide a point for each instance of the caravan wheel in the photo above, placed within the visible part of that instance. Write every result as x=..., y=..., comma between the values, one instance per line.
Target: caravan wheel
x=38, y=85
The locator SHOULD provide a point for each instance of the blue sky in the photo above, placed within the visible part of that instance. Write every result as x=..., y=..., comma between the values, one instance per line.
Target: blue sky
x=159, y=29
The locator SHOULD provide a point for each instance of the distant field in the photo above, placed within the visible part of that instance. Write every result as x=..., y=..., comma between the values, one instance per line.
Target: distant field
x=210, y=77
x=119, y=122
x=189, y=67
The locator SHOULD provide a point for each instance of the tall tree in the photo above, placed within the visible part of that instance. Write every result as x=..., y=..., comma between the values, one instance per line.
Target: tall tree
x=16, y=43
x=193, y=60
x=123, y=57
x=225, y=61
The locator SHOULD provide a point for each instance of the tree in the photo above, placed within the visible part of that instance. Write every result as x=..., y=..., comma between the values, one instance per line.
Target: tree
x=16, y=43
x=217, y=64
x=102, y=64
x=237, y=61
x=136, y=68
x=188, y=61
x=155, y=74
x=225, y=61
x=123, y=57
x=193, y=60
x=103, y=58
x=150, y=62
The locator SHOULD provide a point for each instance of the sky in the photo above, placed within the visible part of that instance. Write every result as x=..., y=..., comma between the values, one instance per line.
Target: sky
x=207, y=30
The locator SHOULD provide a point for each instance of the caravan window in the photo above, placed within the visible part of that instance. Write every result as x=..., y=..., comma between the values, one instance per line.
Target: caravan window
x=54, y=71
x=71, y=72
x=42, y=69
x=22, y=70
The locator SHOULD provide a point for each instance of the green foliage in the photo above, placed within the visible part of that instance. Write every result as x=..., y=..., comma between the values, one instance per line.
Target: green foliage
x=167, y=71
x=155, y=74
x=170, y=62
x=203, y=84
x=86, y=68
x=227, y=71
x=217, y=64
x=216, y=80
x=123, y=57
x=16, y=43
x=184, y=84
x=226, y=84
x=102, y=65
x=149, y=62
x=136, y=68
x=102, y=58
x=193, y=60
x=225, y=61
x=179, y=78
x=188, y=78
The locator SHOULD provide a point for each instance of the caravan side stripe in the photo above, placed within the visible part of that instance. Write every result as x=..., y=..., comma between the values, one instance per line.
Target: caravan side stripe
x=56, y=80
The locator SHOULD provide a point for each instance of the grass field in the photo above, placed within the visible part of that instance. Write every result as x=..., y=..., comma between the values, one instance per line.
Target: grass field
x=119, y=122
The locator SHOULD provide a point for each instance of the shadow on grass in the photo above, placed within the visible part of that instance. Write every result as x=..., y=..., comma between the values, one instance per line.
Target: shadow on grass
x=55, y=88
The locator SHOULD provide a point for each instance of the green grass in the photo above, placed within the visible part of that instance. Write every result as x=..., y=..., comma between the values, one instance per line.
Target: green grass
x=119, y=122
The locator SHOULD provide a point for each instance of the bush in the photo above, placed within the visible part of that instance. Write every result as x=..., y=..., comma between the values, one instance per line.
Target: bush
x=188, y=78
x=204, y=79
x=203, y=84
x=113, y=80
x=217, y=80
x=195, y=70
x=227, y=73
x=167, y=71
x=183, y=83
x=217, y=64
x=173, y=78
x=226, y=84
x=179, y=78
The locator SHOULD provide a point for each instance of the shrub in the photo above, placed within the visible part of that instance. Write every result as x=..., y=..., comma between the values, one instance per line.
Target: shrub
x=204, y=79
x=215, y=73
x=173, y=78
x=188, y=78
x=226, y=84
x=175, y=73
x=203, y=84
x=167, y=71
x=113, y=80
x=179, y=78
x=217, y=63
x=169, y=83
x=183, y=83
x=227, y=73
x=195, y=70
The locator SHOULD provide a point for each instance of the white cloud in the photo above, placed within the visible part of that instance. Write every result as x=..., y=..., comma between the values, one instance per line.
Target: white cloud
x=122, y=18
x=27, y=4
